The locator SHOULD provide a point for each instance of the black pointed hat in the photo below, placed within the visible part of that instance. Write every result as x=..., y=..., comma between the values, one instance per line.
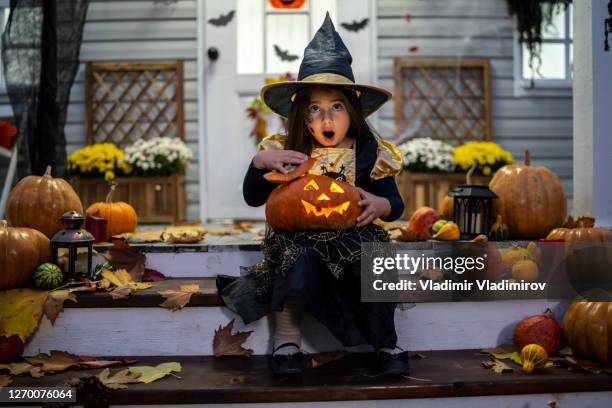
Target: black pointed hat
x=326, y=61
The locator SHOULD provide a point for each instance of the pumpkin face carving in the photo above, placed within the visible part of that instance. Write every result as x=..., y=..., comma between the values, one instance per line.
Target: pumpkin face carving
x=313, y=202
x=291, y=4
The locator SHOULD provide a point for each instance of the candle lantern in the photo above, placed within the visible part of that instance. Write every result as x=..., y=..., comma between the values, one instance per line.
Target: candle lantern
x=472, y=206
x=73, y=237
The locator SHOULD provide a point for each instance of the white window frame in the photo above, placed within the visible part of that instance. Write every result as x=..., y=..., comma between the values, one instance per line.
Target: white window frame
x=5, y=10
x=543, y=87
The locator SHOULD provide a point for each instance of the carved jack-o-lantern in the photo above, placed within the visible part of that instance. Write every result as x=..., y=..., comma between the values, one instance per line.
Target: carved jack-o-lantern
x=287, y=3
x=313, y=202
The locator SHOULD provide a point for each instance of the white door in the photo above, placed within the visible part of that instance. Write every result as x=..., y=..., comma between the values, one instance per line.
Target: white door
x=245, y=42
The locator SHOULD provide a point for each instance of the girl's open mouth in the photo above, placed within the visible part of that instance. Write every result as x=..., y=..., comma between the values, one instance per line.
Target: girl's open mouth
x=329, y=134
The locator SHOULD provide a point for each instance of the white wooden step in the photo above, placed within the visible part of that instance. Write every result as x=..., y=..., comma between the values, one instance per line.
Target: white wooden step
x=152, y=330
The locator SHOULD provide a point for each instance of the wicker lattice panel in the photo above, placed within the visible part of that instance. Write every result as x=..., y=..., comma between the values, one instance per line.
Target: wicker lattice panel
x=443, y=99
x=129, y=101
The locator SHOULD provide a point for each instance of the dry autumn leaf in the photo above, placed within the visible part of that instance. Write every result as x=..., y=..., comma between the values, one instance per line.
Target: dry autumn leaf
x=122, y=281
x=497, y=366
x=55, y=303
x=93, y=362
x=227, y=344
x=22, y=368
x=123, y=256
x=20, y=311
x=121, y=292
x=149, y=374
x=5, y=380
x=119, y=380
x=56, y=361
x=319, y=359
x=177, y=299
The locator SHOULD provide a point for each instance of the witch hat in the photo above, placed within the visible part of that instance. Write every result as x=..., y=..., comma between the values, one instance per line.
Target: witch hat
x=326, y=61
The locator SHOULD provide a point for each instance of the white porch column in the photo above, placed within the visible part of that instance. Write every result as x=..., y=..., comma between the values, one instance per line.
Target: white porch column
x=592, y=113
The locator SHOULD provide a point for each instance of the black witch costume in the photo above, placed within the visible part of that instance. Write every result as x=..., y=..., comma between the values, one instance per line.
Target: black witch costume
x=323, y=265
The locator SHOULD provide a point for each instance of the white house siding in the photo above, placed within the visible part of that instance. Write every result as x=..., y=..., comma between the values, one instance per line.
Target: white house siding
x=478, y=29
x=138, y=30
x=143, y=30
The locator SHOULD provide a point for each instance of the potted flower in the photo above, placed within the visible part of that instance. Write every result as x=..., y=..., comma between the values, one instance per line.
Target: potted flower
x=433, y=167
x=489, y=157
x=101, y=160
x=426, y=155
x=159, y=156
x=150, y=176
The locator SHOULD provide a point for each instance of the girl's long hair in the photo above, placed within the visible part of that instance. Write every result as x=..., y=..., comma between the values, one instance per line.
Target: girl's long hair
x=299, y=137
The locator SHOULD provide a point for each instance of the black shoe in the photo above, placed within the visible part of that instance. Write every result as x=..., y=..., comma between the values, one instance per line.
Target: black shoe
x=394, y=364
x=288, y=363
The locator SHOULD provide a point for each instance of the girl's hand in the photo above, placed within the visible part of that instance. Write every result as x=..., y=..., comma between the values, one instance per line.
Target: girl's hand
x=374, y=207
x=281, y=160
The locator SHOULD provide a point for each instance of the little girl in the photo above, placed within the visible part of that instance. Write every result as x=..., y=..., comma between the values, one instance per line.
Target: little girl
x=314, y=270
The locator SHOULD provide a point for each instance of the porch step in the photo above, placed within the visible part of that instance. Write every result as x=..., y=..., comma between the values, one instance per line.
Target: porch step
x=212, y=256
x=97, y=325
x=441, y=379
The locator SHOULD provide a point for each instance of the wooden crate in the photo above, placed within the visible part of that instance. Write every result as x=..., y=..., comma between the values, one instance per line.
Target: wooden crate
x=429, y=189
x=157, y=200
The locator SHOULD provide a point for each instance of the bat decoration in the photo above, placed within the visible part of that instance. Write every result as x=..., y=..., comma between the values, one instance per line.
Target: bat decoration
x=222, y=20
x=284, y=55
x=355, y=25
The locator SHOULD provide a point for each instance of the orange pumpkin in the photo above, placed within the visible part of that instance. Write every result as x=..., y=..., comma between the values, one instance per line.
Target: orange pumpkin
x=313, y=201
x=447, y=208
x=120, y=216
x=40, y=201
x=287, y=3
x=587, y=326
x=21, y=251
x=531, y=200
x=588, y=254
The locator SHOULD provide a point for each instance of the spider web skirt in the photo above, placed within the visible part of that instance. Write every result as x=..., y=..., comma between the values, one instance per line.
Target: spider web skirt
x=325, y=267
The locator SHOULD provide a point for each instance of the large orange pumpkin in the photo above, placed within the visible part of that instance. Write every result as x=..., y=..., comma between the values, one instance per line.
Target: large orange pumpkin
x=40, y=201
x=588, y=255
x=120, y=216
x=531, y=200
x=587, y=326
x=21, y=251
x=313, y=202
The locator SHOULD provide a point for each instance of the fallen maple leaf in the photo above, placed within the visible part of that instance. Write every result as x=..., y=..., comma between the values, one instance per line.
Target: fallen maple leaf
x=177, y=299
x=319, y=359
x=92, y=362
x=5, y=380
x=22, y=368
x=56, y=361
x=119, y=380
x=123, y=256
x=498, y=366
x=505, y=351
x=149, y=374
x=227, y=344
x=55, y=303
x=20, y=311
x=123, y=283
x=121, y=292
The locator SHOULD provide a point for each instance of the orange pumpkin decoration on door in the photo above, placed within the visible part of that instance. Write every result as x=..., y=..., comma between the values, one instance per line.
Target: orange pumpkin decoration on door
x=313, y=202
x=287, y=4
x=120, y=216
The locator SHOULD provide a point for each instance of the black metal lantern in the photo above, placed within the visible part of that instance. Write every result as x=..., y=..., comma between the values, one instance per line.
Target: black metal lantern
x=472, y=206
x=73, y=237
